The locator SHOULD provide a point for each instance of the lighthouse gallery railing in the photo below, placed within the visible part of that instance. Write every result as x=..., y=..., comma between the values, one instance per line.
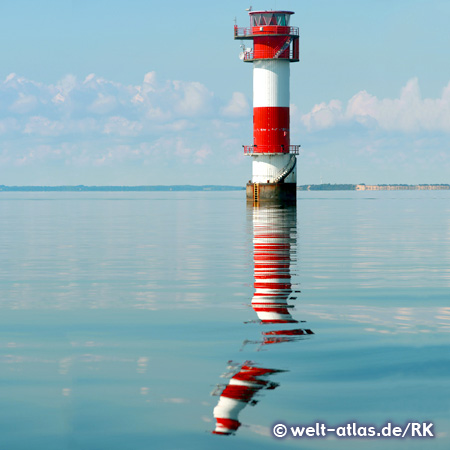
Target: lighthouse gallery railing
x=270, y=149
x=248, y=33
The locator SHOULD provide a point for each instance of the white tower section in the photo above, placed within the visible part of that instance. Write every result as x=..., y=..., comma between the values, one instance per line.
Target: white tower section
x=271, y=80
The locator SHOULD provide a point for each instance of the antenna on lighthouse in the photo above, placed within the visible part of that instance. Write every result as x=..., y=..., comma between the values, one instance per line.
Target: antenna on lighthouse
x=242, y=53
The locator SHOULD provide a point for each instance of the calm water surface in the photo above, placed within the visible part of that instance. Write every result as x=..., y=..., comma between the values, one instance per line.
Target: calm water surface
x=122, y=312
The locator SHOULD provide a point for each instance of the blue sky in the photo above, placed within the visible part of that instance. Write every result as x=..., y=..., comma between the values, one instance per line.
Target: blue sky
x=143, y=92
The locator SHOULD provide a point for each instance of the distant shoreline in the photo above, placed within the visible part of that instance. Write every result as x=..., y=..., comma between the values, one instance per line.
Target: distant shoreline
x=82, y=188
x=218, y=188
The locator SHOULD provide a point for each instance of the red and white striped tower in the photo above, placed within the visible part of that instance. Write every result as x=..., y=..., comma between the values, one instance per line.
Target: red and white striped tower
x=275, y=46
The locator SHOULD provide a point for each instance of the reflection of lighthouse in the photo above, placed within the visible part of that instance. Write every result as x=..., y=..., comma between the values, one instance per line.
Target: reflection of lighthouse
x=272, y=256
x=246, y=381
x=274, y=242
x=274, y=248
x=275, y=46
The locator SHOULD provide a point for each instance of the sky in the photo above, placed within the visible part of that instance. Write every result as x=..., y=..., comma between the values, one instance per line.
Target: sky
x=139, y=92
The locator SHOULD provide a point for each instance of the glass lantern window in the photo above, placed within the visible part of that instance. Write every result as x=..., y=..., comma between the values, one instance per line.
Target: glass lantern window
x=258, y=20
x=283, y=20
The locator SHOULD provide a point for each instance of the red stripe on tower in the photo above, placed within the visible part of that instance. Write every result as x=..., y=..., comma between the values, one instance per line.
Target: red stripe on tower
x=271, y=129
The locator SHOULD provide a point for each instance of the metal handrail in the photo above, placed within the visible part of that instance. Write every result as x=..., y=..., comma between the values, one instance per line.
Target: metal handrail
x=286, y=171
x=270, y=149
x=250, y=56
x=246, y=32
x=283, y=47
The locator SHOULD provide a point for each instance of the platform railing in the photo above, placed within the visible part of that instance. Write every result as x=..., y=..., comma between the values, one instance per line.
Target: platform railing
x=270, y=150
x=245, y=33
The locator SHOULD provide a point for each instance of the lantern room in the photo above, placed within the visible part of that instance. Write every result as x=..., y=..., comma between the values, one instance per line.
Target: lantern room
x=272, y=36
x=263, y=18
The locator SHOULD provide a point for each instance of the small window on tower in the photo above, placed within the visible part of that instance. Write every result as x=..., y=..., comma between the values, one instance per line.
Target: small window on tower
x=257, y=20
x=281, y=20
x=266, y=19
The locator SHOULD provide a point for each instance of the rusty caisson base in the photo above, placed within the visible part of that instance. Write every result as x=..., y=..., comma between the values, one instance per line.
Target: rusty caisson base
x=270, y=192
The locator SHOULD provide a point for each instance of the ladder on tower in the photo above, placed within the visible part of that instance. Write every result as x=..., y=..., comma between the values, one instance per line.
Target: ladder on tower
x=256, y=192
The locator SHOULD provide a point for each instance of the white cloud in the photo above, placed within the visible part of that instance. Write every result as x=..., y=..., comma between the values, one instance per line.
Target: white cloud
x=177, y=125
x=180, y=148
x=63, y=88
x=407, y=113
x=156, y=113
x=237, y=107
x=323, y=115
x=362, y=106
x=89, y=78
x=169, y=102
x=24, y=104
x=58, y=98
x=9, y=125
x=103, y=104
x=95, y=122
x=9, y=77
x=43, y=126
x=149, y=84
x=38, y=152
x=67, y=84
x=191, y=98
x=122, y=126
x=202, y=154
x=112, y=154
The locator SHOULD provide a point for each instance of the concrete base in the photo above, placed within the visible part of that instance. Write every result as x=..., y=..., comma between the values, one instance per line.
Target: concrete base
x=267, y=192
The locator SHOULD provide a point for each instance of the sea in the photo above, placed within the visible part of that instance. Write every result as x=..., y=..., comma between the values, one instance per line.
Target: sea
x=193, y=320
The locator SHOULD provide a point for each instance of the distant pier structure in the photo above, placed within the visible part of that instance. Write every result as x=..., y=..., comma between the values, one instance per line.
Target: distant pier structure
x=275, y=46
x=401, y=187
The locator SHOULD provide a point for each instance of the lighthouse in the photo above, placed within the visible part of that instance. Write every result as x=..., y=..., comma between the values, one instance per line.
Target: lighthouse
x=275, y=46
